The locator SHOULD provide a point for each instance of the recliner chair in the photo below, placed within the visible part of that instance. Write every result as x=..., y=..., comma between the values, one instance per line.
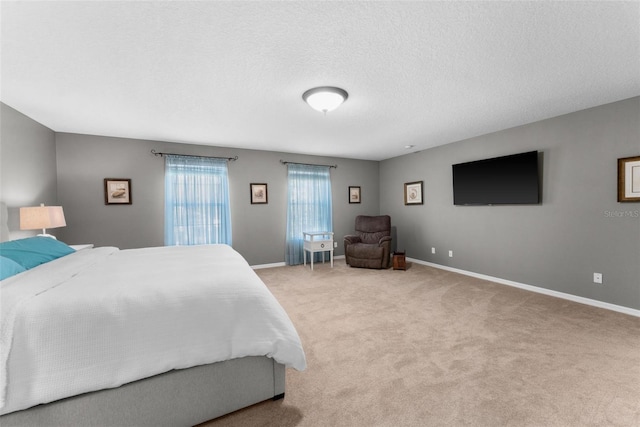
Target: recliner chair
x=370, y=247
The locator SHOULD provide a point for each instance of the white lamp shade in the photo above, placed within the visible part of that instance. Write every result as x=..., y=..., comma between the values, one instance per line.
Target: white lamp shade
x=325, y=99
x=41, y=217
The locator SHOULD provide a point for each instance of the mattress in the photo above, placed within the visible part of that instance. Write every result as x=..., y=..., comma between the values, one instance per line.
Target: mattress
x=100, y=318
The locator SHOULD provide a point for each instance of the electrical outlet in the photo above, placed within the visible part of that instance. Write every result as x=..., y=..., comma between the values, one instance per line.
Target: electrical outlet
x=450, y=254
x=433, y=250
x=597, y=278
x=335, y=244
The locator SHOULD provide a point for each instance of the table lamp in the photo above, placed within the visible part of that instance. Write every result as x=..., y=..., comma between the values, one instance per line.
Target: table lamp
x=42, y=217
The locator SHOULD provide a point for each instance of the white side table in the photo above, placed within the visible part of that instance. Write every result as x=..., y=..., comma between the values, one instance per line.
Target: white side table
x=81, y=247
x=321, y=241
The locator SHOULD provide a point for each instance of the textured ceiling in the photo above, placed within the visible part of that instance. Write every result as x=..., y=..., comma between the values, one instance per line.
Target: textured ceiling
x=233, y=73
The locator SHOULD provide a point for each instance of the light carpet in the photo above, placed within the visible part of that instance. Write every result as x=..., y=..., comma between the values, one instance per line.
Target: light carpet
x=428, y=347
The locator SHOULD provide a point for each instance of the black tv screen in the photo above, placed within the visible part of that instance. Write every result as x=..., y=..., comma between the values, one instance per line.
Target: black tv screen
x=507, y=180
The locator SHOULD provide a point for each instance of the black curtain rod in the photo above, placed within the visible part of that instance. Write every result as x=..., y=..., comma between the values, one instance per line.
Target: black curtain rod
x=156, y=153
x=307, y=164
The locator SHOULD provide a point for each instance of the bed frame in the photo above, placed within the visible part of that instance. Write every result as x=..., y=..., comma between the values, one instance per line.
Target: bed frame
x=184, y=397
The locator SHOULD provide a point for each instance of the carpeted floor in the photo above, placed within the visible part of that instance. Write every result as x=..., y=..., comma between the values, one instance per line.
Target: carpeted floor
x=427, y=347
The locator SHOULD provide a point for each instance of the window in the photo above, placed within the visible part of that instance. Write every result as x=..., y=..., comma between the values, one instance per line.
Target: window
x=309, y=207
x=196, y=202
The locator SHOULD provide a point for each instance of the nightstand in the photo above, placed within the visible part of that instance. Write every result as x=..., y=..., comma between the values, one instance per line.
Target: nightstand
x=399, y=261
x=318, y=242
x=81, y=247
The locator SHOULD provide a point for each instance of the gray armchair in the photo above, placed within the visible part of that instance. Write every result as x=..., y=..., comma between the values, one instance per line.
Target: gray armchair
x=370, y=247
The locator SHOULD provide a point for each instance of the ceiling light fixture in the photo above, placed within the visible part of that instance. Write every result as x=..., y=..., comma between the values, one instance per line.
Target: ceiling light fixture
x=326, y=98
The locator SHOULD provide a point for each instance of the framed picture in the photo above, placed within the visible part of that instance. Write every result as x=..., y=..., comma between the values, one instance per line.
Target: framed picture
x=413, y=193
x=629, y=179
x=259, y=194
x=354, y=194
x=117, y=191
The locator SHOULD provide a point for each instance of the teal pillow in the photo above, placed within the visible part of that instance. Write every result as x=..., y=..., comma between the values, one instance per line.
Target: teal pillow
x=9, y=267
x=33, y=251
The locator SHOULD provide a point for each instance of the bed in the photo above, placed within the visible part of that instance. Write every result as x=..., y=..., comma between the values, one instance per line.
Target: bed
x=153, y=336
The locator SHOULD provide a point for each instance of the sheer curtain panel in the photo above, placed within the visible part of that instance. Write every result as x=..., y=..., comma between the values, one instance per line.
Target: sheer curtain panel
x=196, y=201
x=309, y=207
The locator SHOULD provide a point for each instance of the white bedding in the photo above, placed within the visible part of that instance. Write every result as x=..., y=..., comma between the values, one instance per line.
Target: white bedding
x=103, y=317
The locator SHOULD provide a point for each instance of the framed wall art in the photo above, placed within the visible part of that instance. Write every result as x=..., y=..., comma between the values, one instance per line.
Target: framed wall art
x=413, y=193
x=117, y=191
x=354, y=194
x=259, y=194
x=629, y=179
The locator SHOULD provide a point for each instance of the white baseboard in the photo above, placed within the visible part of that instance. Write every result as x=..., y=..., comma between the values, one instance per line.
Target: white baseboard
x=574, y=298
x=282, y=264
x=275, y=264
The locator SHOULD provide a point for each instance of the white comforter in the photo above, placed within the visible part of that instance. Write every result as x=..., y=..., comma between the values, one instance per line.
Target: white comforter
x=100, y=318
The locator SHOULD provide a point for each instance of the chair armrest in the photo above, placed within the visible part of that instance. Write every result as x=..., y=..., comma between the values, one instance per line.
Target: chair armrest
x=385, y=244
x=351, y=239
x=384, y=239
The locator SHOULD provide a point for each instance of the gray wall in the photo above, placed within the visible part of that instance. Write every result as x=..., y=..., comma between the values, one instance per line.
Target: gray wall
x=27, y=167
x=578, y=229
x=258, y=230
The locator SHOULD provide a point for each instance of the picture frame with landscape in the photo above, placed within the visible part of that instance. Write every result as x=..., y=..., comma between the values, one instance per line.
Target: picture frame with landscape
x=259, y=194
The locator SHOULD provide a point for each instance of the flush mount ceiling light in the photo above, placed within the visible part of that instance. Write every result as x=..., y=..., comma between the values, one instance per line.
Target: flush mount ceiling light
x=325, y=98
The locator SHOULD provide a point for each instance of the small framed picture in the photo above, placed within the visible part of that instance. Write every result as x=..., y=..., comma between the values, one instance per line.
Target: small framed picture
x=117, y=191
x=413, y=193
x=629, y=179
x=354, y=194
x=259, y=194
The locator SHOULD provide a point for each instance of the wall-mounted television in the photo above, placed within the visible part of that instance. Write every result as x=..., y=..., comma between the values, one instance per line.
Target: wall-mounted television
x=506, y=180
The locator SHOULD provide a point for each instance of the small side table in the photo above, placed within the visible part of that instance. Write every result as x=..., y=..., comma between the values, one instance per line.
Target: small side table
x=81, y=247
x=321, y=241
x=399, y=261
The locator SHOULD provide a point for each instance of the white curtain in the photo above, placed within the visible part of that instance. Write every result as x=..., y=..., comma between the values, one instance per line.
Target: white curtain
x=196, y=201
x=309, y=207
